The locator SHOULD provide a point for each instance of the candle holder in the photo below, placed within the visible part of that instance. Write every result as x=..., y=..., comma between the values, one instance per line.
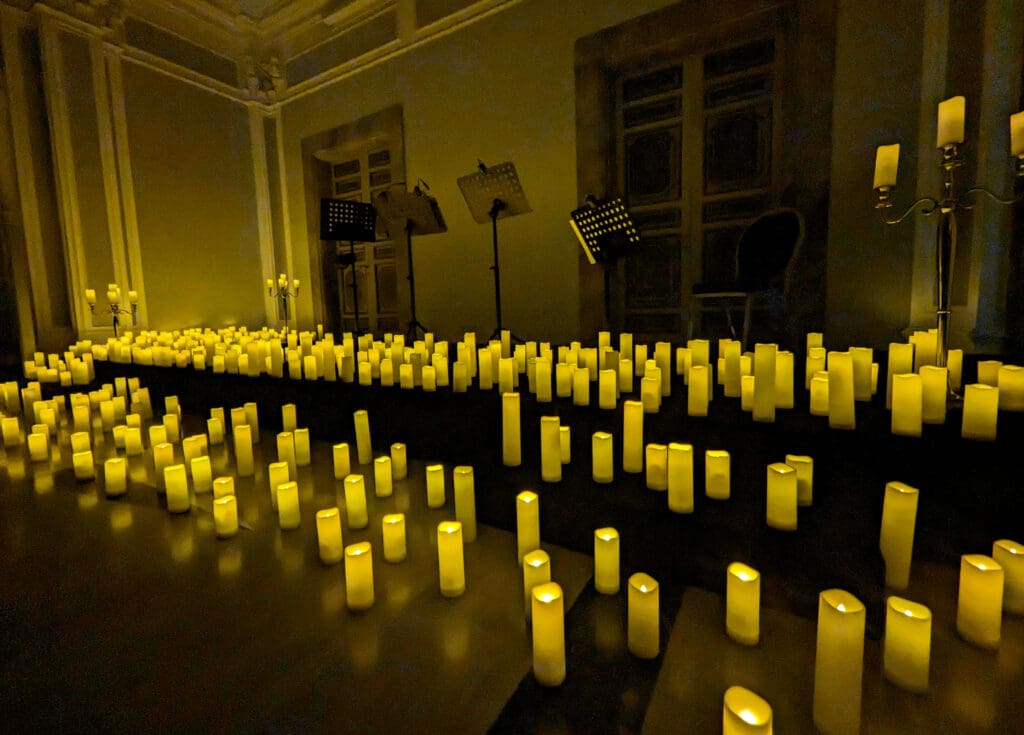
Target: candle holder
x=946, y=205
x=282, y=290
x=115, y=309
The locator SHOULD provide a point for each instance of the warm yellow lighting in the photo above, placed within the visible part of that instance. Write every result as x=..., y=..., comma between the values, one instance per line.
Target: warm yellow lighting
x=511, y=432
x=764, y=382
x=382, y=484
x=899, y=516
x=606, y=561
x=393, y=537
x=979, y=612
x=527, y=523
x=359, y=593
x=642, y=616
x=745, y=713
x=699, y=389
x=839, y=663
x=716, y=474
x=680, y=478
x=1010, y=556
x=288, y=514
x=548, y=615
x=364, y=449
x=950, y=127
x=223, y=486
x=399, y=461
x=536, y=570
x=743, y=604
x=342, y=462
x=981, y=411
x=887, y=161
x=841, y=395
x=633, y=437
x=908, y=641
x=603, y=469
x=657, y=466
x=550, y=449
x=450, y=560
x=243, y=450
x=906, y=404
x=355, y=501
x=464, y=491
x=225, y=516
x=176, y=485
x=781, y=497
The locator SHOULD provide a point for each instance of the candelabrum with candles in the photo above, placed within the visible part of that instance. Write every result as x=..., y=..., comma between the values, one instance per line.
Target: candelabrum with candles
x=950, y=135
x=114, y=301
x=283, y=291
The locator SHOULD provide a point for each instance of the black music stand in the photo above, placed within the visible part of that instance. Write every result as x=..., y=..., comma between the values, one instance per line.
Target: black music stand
x=490, y=193
x=413, y=213
x=605, y=229
x=343, y=219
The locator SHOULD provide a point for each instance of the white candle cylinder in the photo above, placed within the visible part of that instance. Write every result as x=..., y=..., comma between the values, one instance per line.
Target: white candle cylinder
x=176, y=485
x=355, y=501
x=1011, y=387
x=202, y=474
x=743, y=604
x=782, y=494
x=342, y=461
x=887, y=159
x=289, y=419
x=464, y=492
x=115, y=476
x=633, y=436
x=839, y=663
x=580, y=387
x=988, y=372
x=804, y=467
x=784, y=379
x=563, y=379
x=328, y=534
x=841, y=406
x=382, y=480
x=934, y=391
x=979, y=611
x=548, y=634
x=861, y=358
x=981, y=410
x=435, y=485
x=643, y=616
x=950, y=127
x=1010, y=556
x=699, y=388
x=536, y=570
x=252, y=418
x=745, y=713
x=906, y=404
x=896, y=541
x=286, y=452
x=565, y=444
x=542, y=380
x=359, y=593
x=243, y=451
x=399, y=462
x=225, y=516
x=81, y=441
x=288, y=514
x=680, y=477
x=223, y=486
x=550, y=449
x=506, y=374
x=657, y=466
x=364, y=448
x=511, y=432
x=393, y=537
x=625, y=375
x=764, y=382
x=650, y=391
x=303, y=453
x=815, y=363
x=11, y=428
x=906, y=657
x=730, y=351
x=819, y=395
x=602, y=457
x=608, y=389
x=38, y=447
x=717, y=474
x=527, y=524
x=459, y=377
x=214, y=431
x=747, y=392
x=606, y=561
x=955, y=365
x=450, y=559
x=277, y=475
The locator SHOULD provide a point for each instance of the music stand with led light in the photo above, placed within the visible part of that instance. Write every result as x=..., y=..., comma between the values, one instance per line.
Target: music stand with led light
x=605, y=229
x=344, y=219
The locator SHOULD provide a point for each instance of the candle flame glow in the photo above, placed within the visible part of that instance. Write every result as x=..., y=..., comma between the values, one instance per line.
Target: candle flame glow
x=749, y=717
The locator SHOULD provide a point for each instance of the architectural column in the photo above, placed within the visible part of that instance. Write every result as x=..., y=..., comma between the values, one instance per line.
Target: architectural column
x=264, y=221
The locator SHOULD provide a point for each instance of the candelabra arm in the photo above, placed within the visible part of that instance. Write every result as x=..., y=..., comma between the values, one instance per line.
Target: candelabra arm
x=928, y=206
x=982, y=190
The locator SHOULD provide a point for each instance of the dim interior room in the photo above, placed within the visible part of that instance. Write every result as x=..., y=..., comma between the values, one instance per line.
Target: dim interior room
x=341, y=219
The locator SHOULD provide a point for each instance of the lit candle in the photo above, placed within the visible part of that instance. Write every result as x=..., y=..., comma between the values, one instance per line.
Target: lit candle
x=11, y=428
x=955, y=365
x=277, y=475
x=642, y=616
x=988, y=372
x=286, y=451
x=115, y=476
x=527, y=523
x=202, y=474
x=511, y=450
x=355, y=501
x=716, y=474
x=288, y=515
x=699, y=387
x=602, y=457
x=251, y=412
x=506, y=374
x=90, y=296
x=176, y=485
x=580, y=387
x=459, y=377
x=38, y=446
x=1010, y=556
x=747, y=392
x=1010, y=380
x=328, y=534
x=214, y=430
x=548, y=634
x=764, y=382
x=565, y=444
x=979, y=611
x=172, y=425
x=906, y=404
x=657, y=466
x=934, y=389
x=406, y=376
x=223, y=486
x=981, y=410
x=815, y=363
x=536, y=570
x=908, y=643
x=192, y=447
x=550, y=449
x=359, y=576
x=81, y=441
x=782, y=493
x=839, y=662
x=107, y=415
x=743, y=604
x=896, y=541
x=1017, y=134
x=887, y=161
x=841, y=408
x=542, y=379
x=342, y=463
x=393, y=536
x=382, y=484
x=563, y=379
x=303, y=456
x=804, y=467
x=364, y=449
x=435, y=485
x=225, y=516
x=243, y=451
x=680, y=477
x=633, y=436
x=608, y=388
x=745, y=713
x=951, y=122
x=819, y=394
x=625, y=375
x=289, y=420
x=464, y=490
x=450, y=562
x=365, y=372
x=650, y=391
x=784, y=379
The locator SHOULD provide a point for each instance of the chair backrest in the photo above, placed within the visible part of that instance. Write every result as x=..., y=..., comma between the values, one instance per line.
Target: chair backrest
x=767, y=247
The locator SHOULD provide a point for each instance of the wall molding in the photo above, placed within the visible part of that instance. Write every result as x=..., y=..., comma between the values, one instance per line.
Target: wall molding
x=264, y=221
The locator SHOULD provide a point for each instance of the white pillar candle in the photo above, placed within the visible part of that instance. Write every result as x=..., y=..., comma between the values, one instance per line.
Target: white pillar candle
x=550, y=449
x=841, y=407
x=459, y=377
x=804, y=467
x=485, y=369
x=223, y=486
x=286, y=451
x=278, y=474
x=764, y=382
x=192, y=447
x=861, y=358
x=506, y=374
x=657, y=466
x=252, y=419
x=548, y=634
x=115, y=476
x=163, y=457
x=747, y=392
x=908, y=642
x=225, y=516
x=542, y=380
x=435, y=485
x=288, y=514
x=1010, y=556
x=606, y=561
x=364, y=449
x=633, y=437
x=511, y=449
x=38, y=446
x=393, y=537
x=981, y=410
x=1011, y=387
x=342, y=461
x=202, y=474
x=406, y=376
x=464, y=491
x=11, y=428
x=887, y=160
x=950, y=127
x=680, y=477
x=303, y=453
x=382, y=481
x=819, y=394
x=955, y=365
x=176, y=487
x=450, y=560
x=650, y=392
x=359, y=576
x=730, y=352
x=988, y=372
x=784, y=379
x=387, y=373
x=289, y=418
x=603, y=466
x=81, y=441
x=815, y=363
x=399, y=462
x=716, y=474
x=563, y=380
x=365, y=372
x=745, y=713
x=743, y=604
x=934, y=390
x=906, y=404
x=625, y=375
x=782, y=493
x=896, y=541
x=839, y=663
x=172, y=425
x=215, y=431
x=697, y=394
x=608, y=388
x=355, y=501
x=565, y=444
x=979, y=611
x=580, y=387
x=328, y=534
x=643, y=617
x=243, y=451
x=536, y=570
x=527, y=523
x=684, y=358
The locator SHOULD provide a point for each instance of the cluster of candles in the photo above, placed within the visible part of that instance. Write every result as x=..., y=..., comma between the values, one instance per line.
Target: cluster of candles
x=113, y=296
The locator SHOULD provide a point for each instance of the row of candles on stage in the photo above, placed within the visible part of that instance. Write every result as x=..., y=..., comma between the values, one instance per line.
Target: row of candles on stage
x=987, y=584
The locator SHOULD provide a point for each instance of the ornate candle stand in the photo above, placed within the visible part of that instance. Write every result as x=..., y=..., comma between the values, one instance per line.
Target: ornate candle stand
x=114, y=305
x=282, y=291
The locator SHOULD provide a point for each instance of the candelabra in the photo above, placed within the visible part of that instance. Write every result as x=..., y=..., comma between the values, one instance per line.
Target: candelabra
x=282, y=291
x=114, y=303
x=950, y=135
